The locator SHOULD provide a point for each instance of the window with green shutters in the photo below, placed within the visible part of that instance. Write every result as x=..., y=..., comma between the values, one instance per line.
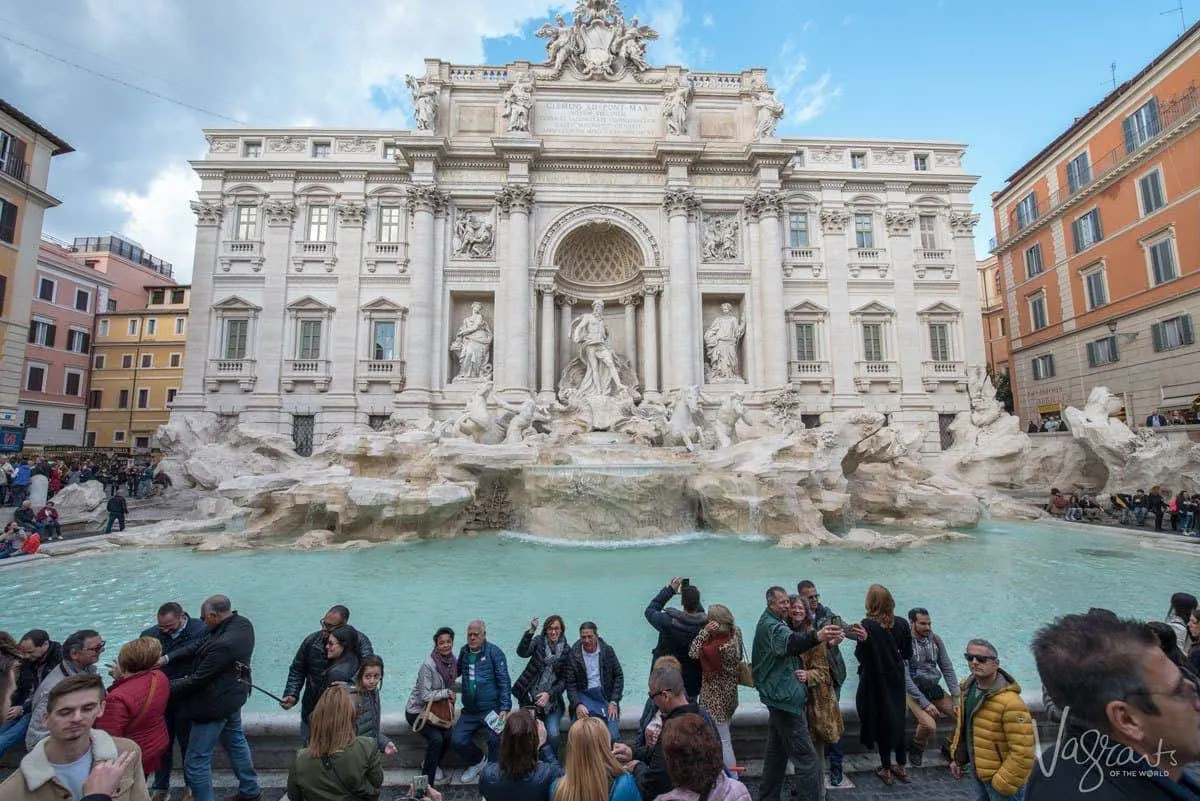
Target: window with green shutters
x=1162, y=261
x=1173, y=333
x=1151, y=192
x=806, y=342
x=1141, y=126
x=1102, y=351
x=1079, y=173
x=939, y=342
x=235, y=338
x=310, y=340
x=873, y=342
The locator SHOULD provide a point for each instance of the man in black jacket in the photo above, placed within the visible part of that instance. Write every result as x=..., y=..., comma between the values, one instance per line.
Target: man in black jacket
x=308, y=668
x=1131, y=717
x=211, y=698
x=666, y=691
x=595, y=680
x=39, y=656
x=180, y=636
x=117, y=510
x=677, y=629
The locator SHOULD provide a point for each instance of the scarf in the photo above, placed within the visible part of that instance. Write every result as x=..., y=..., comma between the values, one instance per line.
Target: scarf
x=710, y=653
x=447, y=667
x=550, y=656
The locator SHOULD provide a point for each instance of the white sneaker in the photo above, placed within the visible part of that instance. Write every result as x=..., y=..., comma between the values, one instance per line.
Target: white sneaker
x=439, y=777
x=471, y=774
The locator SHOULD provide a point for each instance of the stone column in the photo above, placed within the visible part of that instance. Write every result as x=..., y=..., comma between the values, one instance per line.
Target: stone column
x=678, y=203
x=547, y=342
x=565, y=305
x=630, y=304
x=650, y=342
x=773, y=310
x=909, y=338
x=202, y=339
x=754, y=347
x=424, y=200
x=842, y=336
x=270, y=332
x=515, y=286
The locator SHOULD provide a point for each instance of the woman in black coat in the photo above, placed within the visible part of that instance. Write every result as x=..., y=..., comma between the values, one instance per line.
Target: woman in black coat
x=544, y=679
x=880, y=698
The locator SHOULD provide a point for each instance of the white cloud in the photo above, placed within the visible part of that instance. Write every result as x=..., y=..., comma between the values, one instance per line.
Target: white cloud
x=667, y=17
x=808, y=23
x=158, y=215
x=805, y=100
x=708, y=20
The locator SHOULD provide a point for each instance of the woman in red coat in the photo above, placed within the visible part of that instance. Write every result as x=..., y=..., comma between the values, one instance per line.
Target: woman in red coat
x=136, y=705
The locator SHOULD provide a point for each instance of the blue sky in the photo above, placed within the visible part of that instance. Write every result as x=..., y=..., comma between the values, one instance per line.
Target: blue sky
x=1002, y=78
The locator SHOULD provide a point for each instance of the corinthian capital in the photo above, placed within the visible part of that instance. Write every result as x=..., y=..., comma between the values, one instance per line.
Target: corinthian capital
x=898, y=222
x=426, y=197
x=207, y=212
x=833, y=221
x=963, y=223
x=279, y=212
x=515, y=197
x=680, y=201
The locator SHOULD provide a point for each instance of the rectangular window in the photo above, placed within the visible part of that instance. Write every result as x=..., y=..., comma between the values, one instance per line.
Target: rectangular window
x=1162, y=261
x=1002, y=331
x=806, y=342
x=3, y=293
x=35, y=378
x=118, y=436
x=318, y=224
x=1097, y=289
x=103, y=330
x=143, y=398
x=141, y=442
x=321, y=150
x=111, y=305
x=133, y=327
x=95, y=399
x=176, y=359
x=939, y=342
x=1043, y=367
x=1150, y=191
x=177, y=296
x=921, y=162
x=98, y=362
x=89, y=439
x=180, y=322
x=1037, y=312
x=235, y=338
x=252, y=150
x=151, y=326
x=157, y=296
x=798, y=229
x=42, y=333
x=46, y=290
x=872, y=342
x=1079, y=172
x=123, y=399
x=1173, y=333
x=928, y=229
x=309, y=345
x=1027, y=210
x=83, y=300
x=68, y=422
x=383, y=348
x=73, y=384
x=390, y=152
x=127, y=361
x=8, y=222
x=864, y=232
x=1102, y=351
x=31, y=418
x=171, y=393
x=1033, y=261
x=858, y=161
x=1087, y=230
x=389, y=223
x=147, y=361
x=1141, y=126
x=247, y=223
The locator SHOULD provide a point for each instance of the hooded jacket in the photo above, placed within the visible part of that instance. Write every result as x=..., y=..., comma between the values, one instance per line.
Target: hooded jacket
x=676, y=630
x=1002, y=728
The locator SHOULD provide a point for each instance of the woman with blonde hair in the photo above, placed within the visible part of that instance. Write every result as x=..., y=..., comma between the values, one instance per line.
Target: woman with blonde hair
x=719, y=649
x=880, y=698
x=336, y=765
x=592, y=772
x=136, y=704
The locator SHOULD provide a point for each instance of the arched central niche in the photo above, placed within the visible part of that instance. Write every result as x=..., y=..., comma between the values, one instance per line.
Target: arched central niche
x=599, y=255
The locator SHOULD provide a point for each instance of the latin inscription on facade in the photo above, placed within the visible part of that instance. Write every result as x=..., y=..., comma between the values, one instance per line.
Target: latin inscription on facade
x=597, y=119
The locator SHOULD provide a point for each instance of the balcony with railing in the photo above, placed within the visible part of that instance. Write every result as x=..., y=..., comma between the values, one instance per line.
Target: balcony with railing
x=381, y=371
x=239, y=371
x=1174, y=114
x=867, y=373
x=376, y=252
x=315, y=250
x=820, y=373
x=938, y=372
x=802, y=262
x=242, y=248
x=315, y=371
x=873, y=260
x=926, y=259
x=15, y=167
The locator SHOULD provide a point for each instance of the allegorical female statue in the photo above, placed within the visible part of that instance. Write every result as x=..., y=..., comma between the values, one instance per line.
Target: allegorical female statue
x=473, y=345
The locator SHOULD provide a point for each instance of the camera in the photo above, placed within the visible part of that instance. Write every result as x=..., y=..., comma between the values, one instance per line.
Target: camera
x=687, y=582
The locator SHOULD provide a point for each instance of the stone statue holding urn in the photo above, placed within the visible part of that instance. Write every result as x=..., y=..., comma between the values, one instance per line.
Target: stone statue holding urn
x=473, y=345
x=721, y=347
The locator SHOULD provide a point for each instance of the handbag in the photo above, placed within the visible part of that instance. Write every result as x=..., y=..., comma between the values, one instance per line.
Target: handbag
x=439, y=714
x=745, y=669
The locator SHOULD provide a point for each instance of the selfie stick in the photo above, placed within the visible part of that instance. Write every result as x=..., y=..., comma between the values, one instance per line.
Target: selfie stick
x=240, y=666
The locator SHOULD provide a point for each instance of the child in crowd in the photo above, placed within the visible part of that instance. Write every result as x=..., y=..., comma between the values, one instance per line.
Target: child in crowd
x=367, y=705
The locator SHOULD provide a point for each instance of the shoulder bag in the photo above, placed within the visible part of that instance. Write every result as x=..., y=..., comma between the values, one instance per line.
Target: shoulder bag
x=745, y=669
x=439, y=714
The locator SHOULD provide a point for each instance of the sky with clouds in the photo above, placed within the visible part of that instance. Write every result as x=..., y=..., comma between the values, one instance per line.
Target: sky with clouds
x=1004, y=79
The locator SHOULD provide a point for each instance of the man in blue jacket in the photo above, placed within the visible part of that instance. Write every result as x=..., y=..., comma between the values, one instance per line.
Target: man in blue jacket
x=180, y=636
x=486, y=688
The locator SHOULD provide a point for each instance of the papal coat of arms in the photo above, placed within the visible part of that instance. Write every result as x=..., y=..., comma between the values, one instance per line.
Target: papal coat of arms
x=598, y=43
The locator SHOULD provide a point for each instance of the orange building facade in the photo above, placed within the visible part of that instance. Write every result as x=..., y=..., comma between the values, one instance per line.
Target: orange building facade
x=1098, y=251
x=995, y=324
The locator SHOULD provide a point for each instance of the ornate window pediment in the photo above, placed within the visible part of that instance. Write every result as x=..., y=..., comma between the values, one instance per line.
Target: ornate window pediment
x=806, y=311
x=310, y=304
x=939, y=309
x=234, y=304
x=383, y=306
x=873, y=309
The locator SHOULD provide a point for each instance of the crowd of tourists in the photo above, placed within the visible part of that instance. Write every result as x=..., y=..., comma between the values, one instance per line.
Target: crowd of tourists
x=1129, y=683
x=1139, y=508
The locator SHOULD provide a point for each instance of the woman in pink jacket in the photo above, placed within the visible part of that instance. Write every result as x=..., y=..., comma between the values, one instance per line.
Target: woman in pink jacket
x=136, y=705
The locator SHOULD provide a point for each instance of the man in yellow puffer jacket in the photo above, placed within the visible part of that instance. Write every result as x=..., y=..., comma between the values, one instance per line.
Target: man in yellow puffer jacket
x=994, y=730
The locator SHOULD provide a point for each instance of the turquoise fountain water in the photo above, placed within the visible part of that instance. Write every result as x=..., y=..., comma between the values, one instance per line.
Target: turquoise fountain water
x=1001, y=585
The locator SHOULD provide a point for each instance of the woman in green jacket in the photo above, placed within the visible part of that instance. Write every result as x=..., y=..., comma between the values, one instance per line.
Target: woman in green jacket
x=336, y=765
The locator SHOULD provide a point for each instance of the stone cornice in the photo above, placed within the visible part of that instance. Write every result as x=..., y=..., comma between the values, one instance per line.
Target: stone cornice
x=517, y=149
x=670, y=152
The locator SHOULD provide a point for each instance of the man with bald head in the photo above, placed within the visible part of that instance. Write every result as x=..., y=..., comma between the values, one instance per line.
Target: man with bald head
x=211, y=699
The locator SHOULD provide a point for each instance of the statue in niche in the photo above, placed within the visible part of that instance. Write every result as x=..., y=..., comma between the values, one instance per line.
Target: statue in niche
x=600, y=375
x=769, y=111
x=474, y=235
x=425, y=103
x=675, y=108
x=517, y=103
x=721, y=346
x=472, y=345
x=720, y=235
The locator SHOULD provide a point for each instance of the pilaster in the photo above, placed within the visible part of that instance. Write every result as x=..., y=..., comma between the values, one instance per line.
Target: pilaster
x=199, y=326
x=516, y=289
x=678, y=205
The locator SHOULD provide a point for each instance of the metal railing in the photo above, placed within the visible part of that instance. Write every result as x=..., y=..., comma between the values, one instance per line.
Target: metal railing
x=15, y=167
x=123, y=248
x=1171, y=114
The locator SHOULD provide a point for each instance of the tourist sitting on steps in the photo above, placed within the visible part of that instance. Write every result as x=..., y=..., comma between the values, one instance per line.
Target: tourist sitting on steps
x=927, y=700
x=26, y=517
x=1058, y=503
x=595, y=681
x=437, y=680
x=47, y=520
x=486, y=692
x=544, y=679
x=676, y=629
x=368, y=710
